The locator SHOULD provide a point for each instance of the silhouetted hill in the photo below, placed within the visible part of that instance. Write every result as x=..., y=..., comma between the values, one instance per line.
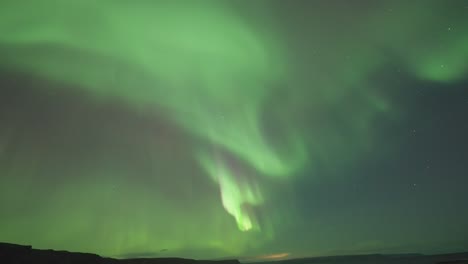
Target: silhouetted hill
x=17, y=254
x=412, y=258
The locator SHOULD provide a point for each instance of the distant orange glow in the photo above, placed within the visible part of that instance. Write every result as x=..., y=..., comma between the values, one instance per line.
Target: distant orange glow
x=273, y=256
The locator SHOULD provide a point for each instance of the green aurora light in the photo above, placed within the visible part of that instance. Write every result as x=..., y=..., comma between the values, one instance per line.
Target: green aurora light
x=214, y=71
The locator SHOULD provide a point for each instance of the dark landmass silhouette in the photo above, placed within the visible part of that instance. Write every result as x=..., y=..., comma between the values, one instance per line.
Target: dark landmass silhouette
x=19, y=254
x=407, y=258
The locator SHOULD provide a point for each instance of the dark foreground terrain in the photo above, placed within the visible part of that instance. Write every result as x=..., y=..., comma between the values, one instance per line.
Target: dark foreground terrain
x=455, y=258
x=17, y=254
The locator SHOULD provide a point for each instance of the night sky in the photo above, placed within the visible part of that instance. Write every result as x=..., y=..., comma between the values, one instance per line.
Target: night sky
x=246, y=129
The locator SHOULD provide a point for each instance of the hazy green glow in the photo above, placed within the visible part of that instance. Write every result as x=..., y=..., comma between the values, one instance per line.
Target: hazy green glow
x=204, y=64
x=434, y=45
x=260, y=102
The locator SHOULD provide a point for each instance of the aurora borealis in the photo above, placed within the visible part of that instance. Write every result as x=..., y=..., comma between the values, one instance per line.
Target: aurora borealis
x=213, y=129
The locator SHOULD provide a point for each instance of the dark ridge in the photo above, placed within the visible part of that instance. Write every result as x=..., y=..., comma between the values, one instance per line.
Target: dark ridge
x=18, y=254
x=407, y=258
x=454, y=262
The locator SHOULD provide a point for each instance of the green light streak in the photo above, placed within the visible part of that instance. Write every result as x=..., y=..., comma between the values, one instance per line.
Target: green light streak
x=219, y=76
x=201, y=62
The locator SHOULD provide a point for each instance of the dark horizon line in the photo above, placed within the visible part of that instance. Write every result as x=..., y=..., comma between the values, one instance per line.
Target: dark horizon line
x=252, y=259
